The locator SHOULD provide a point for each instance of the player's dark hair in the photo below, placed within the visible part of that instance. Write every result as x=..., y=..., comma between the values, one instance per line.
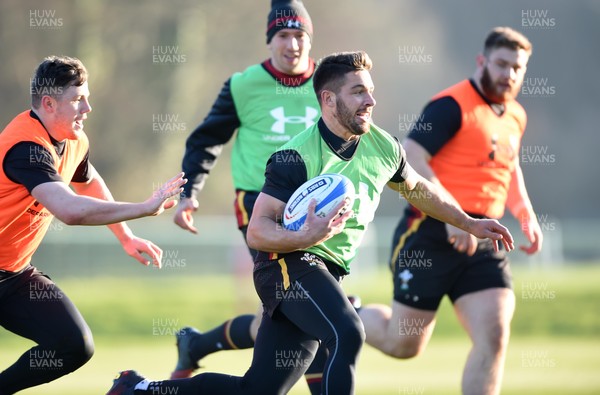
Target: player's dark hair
x=331, y=71
x=505, y=37
x=54, y=75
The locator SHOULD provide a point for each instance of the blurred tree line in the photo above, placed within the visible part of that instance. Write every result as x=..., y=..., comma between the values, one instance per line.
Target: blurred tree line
x=156, y=67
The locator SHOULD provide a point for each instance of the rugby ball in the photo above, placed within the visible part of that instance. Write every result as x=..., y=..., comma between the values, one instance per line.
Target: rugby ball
x=327, y=189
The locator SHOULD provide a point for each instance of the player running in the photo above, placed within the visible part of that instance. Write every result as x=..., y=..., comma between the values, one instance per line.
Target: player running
x=314, y=259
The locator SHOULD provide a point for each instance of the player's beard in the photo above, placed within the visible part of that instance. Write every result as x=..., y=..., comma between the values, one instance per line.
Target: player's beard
x=347, y=119
x=490, y=89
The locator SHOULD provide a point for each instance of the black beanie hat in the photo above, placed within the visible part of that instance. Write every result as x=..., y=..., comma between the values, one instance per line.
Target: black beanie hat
x=288, y=14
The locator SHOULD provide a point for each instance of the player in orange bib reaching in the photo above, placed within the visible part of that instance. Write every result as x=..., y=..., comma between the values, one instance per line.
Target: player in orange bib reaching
x=466, y=141
x=44, y=152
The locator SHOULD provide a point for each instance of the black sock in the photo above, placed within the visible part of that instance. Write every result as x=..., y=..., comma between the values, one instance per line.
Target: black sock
x=231, y=335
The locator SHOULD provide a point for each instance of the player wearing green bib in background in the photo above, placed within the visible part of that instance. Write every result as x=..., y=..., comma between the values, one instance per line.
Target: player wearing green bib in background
x=271, y=110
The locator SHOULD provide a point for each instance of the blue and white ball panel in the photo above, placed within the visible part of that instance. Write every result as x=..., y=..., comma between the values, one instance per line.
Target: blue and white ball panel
x=327, y=189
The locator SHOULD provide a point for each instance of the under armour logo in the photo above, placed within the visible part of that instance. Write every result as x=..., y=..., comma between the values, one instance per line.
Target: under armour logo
x=293, y=24
x=278, y=113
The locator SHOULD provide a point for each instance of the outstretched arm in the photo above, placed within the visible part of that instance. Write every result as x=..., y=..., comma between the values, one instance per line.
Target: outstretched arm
x=436, y=202
x=93, y=204
x=439, y=205
x=74, y=209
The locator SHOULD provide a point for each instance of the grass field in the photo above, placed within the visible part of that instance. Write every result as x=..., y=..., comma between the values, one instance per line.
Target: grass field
x=555, y=348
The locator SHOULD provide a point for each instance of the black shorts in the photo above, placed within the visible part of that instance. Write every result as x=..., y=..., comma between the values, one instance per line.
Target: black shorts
x=281, y=279
x=426, y=267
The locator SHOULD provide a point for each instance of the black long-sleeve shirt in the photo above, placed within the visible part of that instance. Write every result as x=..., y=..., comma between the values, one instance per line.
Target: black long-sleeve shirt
x=205, y=143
